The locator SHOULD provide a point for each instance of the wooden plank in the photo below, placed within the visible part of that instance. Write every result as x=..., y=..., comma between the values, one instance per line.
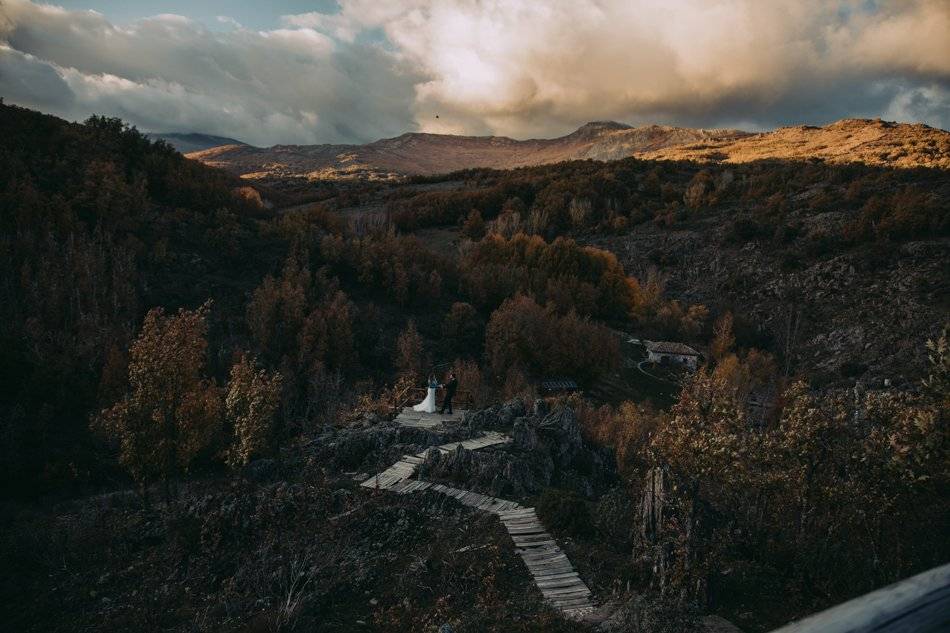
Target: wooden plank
x=523, y=525
x=560, y=584
x=546, y=549
x=524, y=509
x=542, y=557
x=519, y=512
x=524, y=521
x=572, y=601
x=533, y=549
x=546, y=559
x=521, y=520
x=537, y=530
x=572, y=608
x=575, y=601
x=561, y=566
x=550, y=577
x=572, y=592
x=565, y=586
x=529, y=540
x=564, y=583
x=527, y=524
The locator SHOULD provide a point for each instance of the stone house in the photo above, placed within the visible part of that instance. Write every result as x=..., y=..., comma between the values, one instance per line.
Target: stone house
x=669, y=353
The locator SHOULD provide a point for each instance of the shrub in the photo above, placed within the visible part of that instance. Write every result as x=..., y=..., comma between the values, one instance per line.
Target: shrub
x=474, y=226
x=566, y=512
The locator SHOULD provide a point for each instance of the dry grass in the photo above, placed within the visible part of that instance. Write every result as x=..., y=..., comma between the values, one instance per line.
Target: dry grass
x=873, y=142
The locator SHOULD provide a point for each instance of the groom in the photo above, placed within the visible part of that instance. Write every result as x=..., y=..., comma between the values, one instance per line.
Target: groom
x=450, y=388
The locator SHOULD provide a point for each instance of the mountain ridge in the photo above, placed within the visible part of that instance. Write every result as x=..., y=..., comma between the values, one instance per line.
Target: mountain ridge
x=425, y=153
x=868, y=141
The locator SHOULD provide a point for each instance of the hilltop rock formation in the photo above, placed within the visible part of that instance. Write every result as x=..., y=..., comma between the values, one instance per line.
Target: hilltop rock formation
x=546, y=450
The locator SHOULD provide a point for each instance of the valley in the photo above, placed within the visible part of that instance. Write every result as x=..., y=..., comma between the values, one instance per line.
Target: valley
x=465, y=316
x=277, y=324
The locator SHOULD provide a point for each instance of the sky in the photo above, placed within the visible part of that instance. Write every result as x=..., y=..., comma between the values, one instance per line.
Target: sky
x=353, y=71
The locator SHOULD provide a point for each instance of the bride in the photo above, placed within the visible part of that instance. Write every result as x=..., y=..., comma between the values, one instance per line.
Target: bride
x=428, y=405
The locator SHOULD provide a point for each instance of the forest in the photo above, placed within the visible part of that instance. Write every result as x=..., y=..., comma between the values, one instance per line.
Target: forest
x=164, y=330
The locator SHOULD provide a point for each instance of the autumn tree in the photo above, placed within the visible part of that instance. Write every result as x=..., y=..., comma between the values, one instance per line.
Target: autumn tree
x=463, y=328
x=937, y=382
x=326, y=337
x=278, y=307
x=523, y=335
x=723, y=338
x=470, y=381
x=172, y=411
x=410, y=352
x=828, y=480
x=250, y=407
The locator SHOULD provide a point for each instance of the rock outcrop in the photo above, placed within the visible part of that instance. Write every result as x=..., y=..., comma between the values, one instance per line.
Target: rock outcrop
x=547, y=450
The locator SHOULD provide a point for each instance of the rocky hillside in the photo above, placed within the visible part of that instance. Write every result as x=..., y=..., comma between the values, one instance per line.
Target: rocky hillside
x=868, y=141
x=418, y=153
x=856, y=314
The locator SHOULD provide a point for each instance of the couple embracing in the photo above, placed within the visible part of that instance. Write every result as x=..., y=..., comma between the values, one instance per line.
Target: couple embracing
x=428, y=405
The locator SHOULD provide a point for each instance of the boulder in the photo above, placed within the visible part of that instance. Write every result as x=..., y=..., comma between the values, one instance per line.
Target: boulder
x=510, y=411
x=524, y=434
x=563, y=434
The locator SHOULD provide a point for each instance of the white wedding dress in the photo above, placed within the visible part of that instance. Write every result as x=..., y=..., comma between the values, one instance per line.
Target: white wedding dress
x=427, y=405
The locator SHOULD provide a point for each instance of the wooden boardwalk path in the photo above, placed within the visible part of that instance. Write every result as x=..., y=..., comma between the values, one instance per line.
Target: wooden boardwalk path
x=406, y=467
x=553, y=573
x=408, y=417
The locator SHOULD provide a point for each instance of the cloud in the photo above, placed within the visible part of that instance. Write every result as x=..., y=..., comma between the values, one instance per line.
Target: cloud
x=170, y=73
x=522, y=67
x=515, y=67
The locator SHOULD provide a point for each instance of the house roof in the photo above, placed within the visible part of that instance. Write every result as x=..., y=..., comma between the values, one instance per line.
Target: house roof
x=670, y=347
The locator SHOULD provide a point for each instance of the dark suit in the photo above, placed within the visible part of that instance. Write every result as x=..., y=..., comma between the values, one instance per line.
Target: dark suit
x=450, y=388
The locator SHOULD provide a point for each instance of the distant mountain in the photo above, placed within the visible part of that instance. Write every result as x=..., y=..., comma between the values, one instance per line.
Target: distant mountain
x=869, y=141
x=192, y=142
x=421, y=153
x=872, y=142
